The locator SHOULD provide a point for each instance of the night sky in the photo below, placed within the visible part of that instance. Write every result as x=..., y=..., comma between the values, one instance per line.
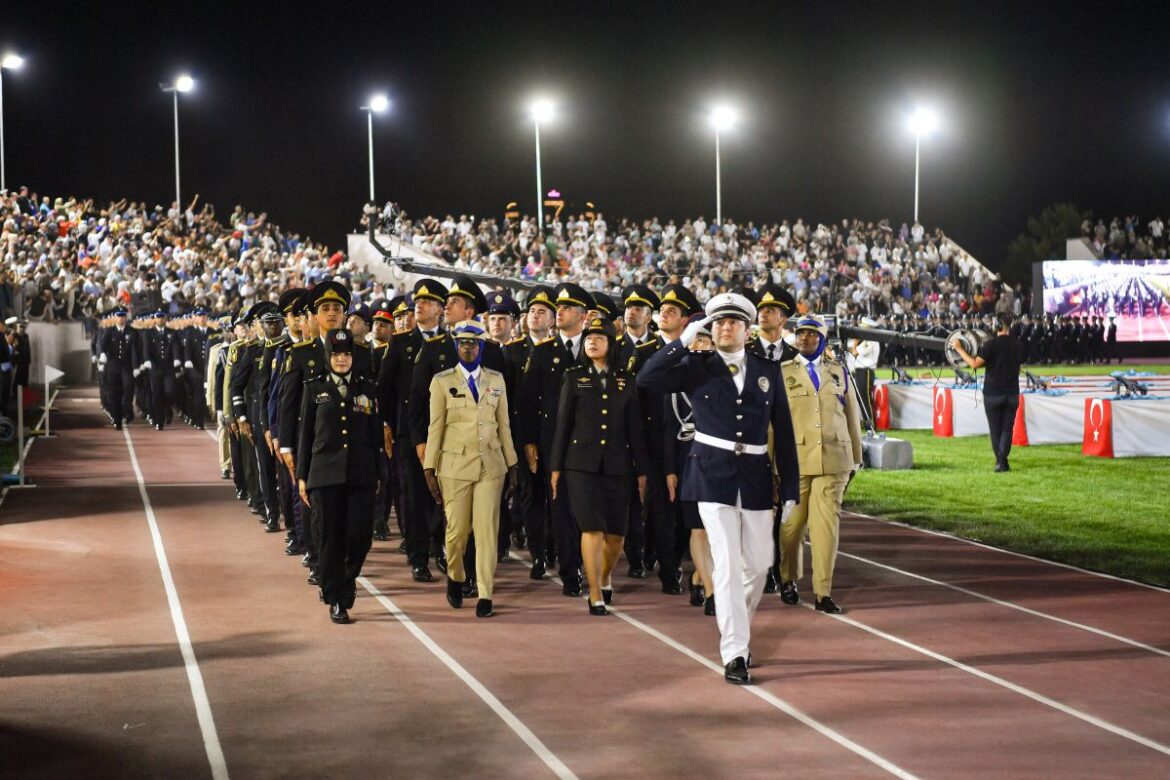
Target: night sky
x=1039, y=103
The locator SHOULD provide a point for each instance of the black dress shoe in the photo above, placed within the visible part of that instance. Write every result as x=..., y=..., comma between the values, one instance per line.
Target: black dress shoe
x=441, y=562
x=828, y=606
x=293, y=548
x=254, y=510
x=272, y=526
x=672, y=588
x=225, y=474
x=305, y=560
x=696, y=593
x=709, y=606
x=637, y=571
x=771, y=585
x=537, y=571
x=314, y=578
x=240, y=495
x=483, y=608
x=469, y=587
x=117, y=426
x=597, y=609
x=572, y=588
x=737, y=672
x=454, y=593
x=381, y=535
x=789, y=594
x=520, y=540
x=607, y=595
x=422, y=574
x=401, y=549
x=338, y=614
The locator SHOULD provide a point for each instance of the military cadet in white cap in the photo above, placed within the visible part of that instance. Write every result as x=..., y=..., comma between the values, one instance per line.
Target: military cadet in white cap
x=828, y=443
x=737, y=398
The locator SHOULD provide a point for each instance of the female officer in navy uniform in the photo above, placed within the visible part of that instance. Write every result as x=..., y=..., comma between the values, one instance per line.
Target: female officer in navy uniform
x=599, y=442
x=337, y=472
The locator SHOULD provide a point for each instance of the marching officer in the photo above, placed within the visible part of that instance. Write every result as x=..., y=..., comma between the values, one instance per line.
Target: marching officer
x=336, y=468
x=540, y=391
x=419, y=517
x=198, y=342
x=116, y=355
x=502, y=316
x=213, y=389
x=381, y=329
x=157, y=366
x=469, y=451
x=825, y=418
x=736, y=398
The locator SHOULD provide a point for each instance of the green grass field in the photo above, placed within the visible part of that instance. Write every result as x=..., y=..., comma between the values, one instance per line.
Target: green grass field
x=1106, y=515
x=1058, y=370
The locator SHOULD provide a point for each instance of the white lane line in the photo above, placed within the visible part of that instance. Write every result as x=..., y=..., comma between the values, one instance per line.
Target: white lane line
x=775, y=701
x=539, y=748
x=991, y=678
x=1010, y=605
x=974, y=543
x=194, y=676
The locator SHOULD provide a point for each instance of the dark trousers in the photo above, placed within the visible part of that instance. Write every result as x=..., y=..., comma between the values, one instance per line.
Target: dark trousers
x=383, y=497
x=662, y=518
x=533, y=508
x=1001, y=419
x=237, y=456
x=251, y=471
x=418, y=523
x=160, y=394
x=567, y=535
x=635, y=544
x=345, y=513
x=266, y=476
x=287, y=492
x=119, y=383
x=198, y=410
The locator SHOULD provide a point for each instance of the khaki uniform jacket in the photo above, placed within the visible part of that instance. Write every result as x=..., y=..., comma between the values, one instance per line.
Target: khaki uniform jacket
x=826, y=423
x=209, y=373
x=463, y=434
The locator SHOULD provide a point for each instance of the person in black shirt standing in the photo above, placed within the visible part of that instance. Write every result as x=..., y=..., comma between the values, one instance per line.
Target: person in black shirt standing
x=1002, y=356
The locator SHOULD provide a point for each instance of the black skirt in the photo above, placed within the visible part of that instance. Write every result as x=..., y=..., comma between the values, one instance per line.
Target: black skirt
x=690, y=514
x=600, y=502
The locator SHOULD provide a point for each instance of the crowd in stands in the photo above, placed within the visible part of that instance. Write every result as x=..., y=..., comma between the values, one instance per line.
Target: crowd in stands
x=72, y=259
x=852, y=267
x=1126, y=238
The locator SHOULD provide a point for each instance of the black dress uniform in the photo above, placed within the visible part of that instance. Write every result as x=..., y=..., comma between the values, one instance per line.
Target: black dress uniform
x=198, y=343
x=340, y=435
x=116, y=352
x=540, y=392
x=158, y=350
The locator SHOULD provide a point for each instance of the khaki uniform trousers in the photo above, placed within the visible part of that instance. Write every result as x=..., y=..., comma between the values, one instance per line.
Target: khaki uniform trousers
x=820, y=511
x=221, y=441
x=472, y=507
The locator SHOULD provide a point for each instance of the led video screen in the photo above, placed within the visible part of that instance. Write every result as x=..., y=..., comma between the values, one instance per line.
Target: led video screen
x=1135, y=292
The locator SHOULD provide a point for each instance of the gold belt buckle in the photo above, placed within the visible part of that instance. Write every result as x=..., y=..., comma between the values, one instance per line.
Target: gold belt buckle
x=739, y=446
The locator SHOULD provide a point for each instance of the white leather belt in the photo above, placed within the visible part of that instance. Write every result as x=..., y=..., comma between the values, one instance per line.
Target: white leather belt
x=738, y=447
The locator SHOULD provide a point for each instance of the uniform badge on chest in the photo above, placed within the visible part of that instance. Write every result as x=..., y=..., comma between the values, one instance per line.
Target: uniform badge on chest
x=764, y=384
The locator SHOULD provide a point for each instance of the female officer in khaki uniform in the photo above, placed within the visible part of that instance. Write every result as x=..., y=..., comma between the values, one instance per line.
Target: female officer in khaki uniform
x=600, y=443
x=469, y=451
x=828, y=447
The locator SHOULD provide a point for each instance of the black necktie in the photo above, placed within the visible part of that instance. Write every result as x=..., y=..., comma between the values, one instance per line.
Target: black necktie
x=569, y=346
x=771, y=352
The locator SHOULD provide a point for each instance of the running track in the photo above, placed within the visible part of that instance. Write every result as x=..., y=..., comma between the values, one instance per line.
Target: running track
x=953, y=660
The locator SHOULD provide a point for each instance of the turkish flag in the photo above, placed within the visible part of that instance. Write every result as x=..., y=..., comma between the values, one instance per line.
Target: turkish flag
x=881, y=407
x=943, y=417
x=1098, y=441
x=1020, y=427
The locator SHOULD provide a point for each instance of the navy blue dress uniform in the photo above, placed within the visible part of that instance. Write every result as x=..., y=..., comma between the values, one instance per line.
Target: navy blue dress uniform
x=737, y=397
x=511, y=513
x=382, y=311
x=667, y=537
x=637, y=295
x=292, y=303
x=420, y=516
x=197, y=343
x=600, y=445
x=339, y=438
x=247, y=357
x=540, y=392
x=116, y=354
x=157, y=366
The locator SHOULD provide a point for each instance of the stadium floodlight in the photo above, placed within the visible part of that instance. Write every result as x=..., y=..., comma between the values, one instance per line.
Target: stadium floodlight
x=183, y=83
x=10, y=61
x=722, y=118
x=378, y=104
x=541, y=110
x=922, y=122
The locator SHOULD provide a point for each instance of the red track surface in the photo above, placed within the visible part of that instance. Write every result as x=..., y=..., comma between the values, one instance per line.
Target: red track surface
x=953, y=660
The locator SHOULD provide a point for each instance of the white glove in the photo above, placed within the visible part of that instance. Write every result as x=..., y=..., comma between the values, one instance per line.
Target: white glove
x=102, y=358
x=786, y=511
x=692, y=330
x=146, y=366
x=137, y=371
x=101, y=368
x=178, y=363
x=187, y=364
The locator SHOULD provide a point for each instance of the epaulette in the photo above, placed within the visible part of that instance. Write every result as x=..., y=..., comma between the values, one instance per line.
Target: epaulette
x=788, y=362
x=440, y=337
x=647, y=343
x=363, y=346
x=577, y=368
x=304, y=343
x=515, y=341
x=444, y=372
x=545, y=341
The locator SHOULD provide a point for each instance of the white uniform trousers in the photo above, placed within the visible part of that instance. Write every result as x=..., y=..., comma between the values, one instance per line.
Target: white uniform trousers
x=741, y=547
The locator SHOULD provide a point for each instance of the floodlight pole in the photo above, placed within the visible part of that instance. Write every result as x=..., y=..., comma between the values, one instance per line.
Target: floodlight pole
x=718, y=184
x=370, y=125
x=3, y=186
x=539, y=186
x=917, y=147
x=178, y=199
